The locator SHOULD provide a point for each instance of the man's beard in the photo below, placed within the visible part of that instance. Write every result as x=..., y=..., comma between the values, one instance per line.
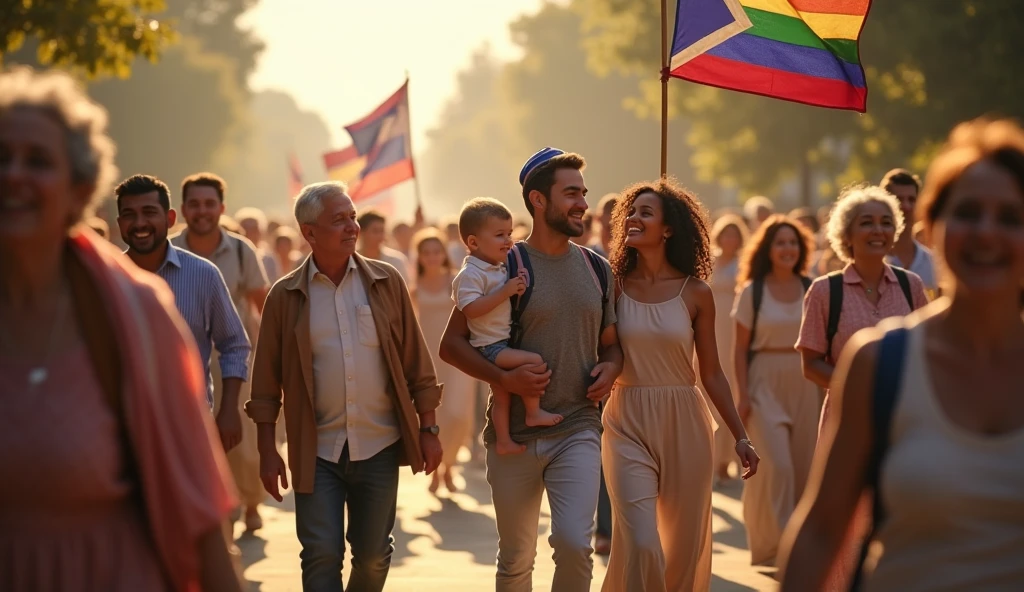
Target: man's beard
x=560, y=223
x=159, y=238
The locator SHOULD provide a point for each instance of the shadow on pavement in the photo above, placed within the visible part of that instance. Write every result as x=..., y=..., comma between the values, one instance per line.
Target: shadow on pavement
x=462, y=530
x=402, y=541
x=253, y=550
x=720, y=584
x=733, y=536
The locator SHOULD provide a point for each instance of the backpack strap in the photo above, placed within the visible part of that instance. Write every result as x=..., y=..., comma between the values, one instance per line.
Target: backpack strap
x=758, y=289
x=888, y=372
x=904, y=280
x=519, y=260
x=596, y=265
x=835, y=307
x=758, y=286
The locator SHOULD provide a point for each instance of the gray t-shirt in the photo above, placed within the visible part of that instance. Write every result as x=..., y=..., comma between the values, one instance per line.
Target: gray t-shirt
x=562, y=323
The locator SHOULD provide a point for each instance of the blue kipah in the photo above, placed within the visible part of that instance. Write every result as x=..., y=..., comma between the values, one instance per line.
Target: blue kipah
x=544, y=155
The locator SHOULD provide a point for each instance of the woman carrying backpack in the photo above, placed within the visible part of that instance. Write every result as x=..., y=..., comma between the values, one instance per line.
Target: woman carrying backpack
x=932, y=416
x=778, y=406
x=865, y=222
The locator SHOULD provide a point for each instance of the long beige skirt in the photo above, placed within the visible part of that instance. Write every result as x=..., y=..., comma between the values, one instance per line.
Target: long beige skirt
x=783, y=425
x=657, y=455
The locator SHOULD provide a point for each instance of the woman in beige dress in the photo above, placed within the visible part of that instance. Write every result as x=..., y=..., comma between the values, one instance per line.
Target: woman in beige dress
x=658, y=429
x=777, y=404
x=949, y=483
x=728, y=237
x=432, y=297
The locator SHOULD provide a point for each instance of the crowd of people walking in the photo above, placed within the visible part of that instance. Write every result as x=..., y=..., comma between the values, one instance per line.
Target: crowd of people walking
x=859, y=365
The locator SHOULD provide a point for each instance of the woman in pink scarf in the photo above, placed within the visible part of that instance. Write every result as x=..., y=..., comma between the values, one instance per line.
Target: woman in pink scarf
x=113, y=478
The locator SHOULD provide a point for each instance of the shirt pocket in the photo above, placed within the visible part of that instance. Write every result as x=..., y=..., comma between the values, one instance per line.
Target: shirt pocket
x=367, y=329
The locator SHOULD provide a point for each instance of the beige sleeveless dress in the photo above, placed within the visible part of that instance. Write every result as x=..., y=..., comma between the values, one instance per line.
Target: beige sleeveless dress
x=954, y=498
x=455, y=415
x=657, y=455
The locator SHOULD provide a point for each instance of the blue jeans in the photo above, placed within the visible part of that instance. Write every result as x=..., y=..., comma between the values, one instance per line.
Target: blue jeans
x=370, y=488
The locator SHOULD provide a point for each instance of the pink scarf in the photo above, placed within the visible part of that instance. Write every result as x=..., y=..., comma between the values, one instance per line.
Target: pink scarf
x=181, y=468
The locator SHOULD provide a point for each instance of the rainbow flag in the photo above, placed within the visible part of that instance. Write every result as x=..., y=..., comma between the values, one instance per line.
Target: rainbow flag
x=295, y=183
x=797, y=50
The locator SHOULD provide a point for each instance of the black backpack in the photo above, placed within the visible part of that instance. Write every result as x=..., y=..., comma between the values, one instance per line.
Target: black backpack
x=518, y=259
x=835, y=302
x=758, y=287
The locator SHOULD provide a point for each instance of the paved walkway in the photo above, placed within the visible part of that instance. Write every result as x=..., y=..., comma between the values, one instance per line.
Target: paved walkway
x=447, y=543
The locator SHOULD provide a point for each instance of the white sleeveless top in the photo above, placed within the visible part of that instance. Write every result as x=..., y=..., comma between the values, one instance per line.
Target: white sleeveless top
x=954, y=498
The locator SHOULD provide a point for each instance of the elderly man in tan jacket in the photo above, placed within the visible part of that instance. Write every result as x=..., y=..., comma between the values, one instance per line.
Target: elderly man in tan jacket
x=340, y=341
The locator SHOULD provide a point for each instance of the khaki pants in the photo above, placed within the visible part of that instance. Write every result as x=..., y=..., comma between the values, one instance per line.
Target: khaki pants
x=569, y=468
x=243, y=459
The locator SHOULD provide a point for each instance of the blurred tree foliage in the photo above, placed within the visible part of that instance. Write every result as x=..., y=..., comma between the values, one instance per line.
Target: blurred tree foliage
x=501, y=113
x=277, y=126
x=99, y=37
x=929, y=65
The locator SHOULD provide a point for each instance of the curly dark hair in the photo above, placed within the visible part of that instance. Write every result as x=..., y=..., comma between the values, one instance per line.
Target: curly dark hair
x=756, y=261
x=688, y=249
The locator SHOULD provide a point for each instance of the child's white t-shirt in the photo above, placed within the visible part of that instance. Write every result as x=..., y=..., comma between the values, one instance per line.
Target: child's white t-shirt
x=479, y=278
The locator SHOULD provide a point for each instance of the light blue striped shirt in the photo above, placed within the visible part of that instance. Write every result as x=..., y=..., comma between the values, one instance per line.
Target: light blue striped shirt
x=202, y=298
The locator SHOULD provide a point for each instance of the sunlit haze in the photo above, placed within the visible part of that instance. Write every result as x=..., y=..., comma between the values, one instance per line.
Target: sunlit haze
x=363, y=48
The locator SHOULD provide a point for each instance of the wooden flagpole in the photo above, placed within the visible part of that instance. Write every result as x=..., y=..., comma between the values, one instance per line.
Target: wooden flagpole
x=664, y=88
x=408, y=146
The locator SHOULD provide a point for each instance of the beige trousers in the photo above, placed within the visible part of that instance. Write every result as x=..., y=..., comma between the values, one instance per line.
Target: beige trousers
x=243, y=459
x=569, y=469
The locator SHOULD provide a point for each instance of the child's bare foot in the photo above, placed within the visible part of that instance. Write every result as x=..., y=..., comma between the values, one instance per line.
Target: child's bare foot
x=542, y=418
x=509, y=447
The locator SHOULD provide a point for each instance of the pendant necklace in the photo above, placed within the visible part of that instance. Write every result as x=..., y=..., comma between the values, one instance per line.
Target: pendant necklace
x=39, y=374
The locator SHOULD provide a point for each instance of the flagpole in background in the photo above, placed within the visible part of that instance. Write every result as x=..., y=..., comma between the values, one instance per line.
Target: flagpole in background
x=408, y=146
x=665, y=88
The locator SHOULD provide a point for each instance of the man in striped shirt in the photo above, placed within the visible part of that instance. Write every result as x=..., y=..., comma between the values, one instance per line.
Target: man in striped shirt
x=200, y=293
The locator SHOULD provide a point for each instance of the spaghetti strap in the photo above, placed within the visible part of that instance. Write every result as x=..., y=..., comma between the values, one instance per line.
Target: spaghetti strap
x=686, y=281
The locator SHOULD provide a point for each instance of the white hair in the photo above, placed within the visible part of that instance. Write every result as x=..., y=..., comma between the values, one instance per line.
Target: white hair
x=845, y=210
x=310, y=202
x=84, y=121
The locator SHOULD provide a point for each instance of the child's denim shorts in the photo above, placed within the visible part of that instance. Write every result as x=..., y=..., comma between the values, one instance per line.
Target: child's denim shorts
x=491, y=351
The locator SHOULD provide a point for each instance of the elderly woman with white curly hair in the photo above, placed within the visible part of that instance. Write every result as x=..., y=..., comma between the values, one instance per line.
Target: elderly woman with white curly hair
x=865, y=222
x=115, y=480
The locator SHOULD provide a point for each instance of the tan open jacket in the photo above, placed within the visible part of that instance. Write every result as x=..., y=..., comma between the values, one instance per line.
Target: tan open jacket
x=284, y=364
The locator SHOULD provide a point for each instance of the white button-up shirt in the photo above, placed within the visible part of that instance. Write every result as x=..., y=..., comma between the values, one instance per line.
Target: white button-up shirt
x=350, y=379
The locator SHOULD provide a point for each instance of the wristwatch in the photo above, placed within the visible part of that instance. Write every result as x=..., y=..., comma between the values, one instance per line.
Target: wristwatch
x=434, y=429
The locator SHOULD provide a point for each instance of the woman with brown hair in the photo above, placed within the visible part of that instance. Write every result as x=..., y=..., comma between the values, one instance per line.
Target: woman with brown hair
x=658, y=430
x=728, y=237
x=432, y=297
x=115, y=480
x=777, y=404
x=932, y=417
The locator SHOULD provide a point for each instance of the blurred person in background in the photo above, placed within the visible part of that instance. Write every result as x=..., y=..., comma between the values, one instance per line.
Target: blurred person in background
x=117, y=482
x=728, y=237
x=285, y=242
x=254, y=227
x=605, y=208
x=756, y=210
x=457, y=250
x=202, y=205
x=907, y=252
x=372, y=235
x=777, y=404
x=99, y=226
x=862, y=228
x=401, y=235
x=945, y=468
x=809, y=219
x=432, y=298
x=587, y=237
